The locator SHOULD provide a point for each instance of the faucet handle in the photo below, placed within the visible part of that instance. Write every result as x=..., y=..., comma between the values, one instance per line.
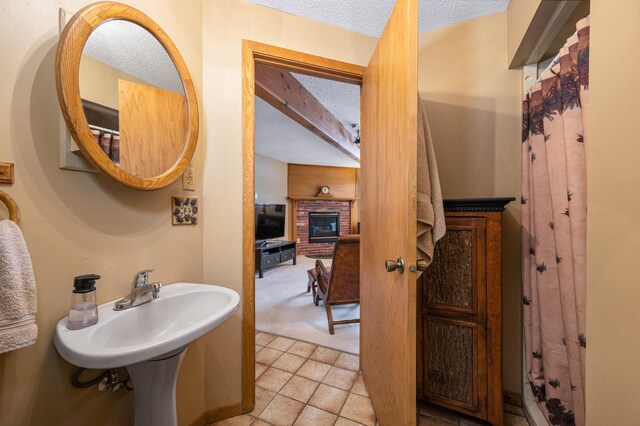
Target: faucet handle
x=142, y=277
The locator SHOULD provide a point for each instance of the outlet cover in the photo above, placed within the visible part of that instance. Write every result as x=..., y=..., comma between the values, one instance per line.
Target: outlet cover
x=188, y=182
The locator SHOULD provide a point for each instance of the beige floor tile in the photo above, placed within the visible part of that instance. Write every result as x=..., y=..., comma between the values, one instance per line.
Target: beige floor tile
x=273, y=379
x=359, y=387
x=513, y=409
x=299, y=388
x=359, y=409
x=432, y=421
x=258, y=347
x=345, y=422
x=340, y=378
x=263, y=339
x=313, y=370
x=311, y=416
x=289, y=362
x=437, y=412
x=511, y=420
x=260, y=368
x=244, y=420
x=281, y=411
x=328, y=398
x=263, y=398
x=268, y=356
x=258, y=422
x=348, y=362
x=281, y=343
x=326, y=355
x=302, y=349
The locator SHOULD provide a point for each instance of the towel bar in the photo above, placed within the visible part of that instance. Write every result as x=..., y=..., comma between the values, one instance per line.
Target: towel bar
x=14, y=210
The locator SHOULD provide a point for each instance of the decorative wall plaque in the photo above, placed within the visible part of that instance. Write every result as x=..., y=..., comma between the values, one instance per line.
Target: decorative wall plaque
x=184, y=210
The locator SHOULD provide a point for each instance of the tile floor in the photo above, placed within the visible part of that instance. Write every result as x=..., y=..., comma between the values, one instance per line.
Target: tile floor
x=300, y=383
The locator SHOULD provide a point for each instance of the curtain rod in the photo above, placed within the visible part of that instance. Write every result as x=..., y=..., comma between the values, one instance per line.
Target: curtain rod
x=102, y=129
x=555, y=60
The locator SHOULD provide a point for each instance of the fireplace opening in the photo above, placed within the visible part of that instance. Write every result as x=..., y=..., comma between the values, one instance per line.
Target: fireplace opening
x=324, y=227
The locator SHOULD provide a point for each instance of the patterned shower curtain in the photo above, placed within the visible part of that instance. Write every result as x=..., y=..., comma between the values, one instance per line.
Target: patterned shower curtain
x=554, y=227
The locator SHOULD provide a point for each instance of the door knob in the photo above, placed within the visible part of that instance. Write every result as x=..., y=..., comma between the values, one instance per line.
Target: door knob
x=392, y=265
x=421, y=265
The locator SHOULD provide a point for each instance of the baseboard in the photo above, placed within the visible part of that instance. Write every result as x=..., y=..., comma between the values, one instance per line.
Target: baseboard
x=512, y=398
x=222, y=413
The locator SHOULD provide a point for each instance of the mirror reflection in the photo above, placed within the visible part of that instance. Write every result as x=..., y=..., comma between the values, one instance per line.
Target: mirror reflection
x=133, y=98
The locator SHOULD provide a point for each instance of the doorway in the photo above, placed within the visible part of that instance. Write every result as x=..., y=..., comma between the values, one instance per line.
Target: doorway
x=306, y=133
x=389, y=132
x=258, y=54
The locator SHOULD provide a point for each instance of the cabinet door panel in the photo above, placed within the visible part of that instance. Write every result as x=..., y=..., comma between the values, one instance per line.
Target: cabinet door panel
x=453, y=365
x=457, y=277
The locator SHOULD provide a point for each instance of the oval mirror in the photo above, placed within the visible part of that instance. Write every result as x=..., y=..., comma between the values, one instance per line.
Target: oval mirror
x=126, y=95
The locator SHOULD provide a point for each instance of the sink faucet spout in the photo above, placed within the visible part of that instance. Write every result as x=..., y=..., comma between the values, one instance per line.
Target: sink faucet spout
x=141, y=291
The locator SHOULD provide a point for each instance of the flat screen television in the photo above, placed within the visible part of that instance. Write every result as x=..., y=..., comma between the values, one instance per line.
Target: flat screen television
x=270, y=221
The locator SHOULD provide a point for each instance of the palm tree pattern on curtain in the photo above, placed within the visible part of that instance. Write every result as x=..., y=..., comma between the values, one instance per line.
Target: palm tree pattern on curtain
x=554, y=214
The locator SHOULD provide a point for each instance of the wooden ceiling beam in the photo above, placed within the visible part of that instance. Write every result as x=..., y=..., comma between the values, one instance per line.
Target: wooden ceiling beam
x=280, y=89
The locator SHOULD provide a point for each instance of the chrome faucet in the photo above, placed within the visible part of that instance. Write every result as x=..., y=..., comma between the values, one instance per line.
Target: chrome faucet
x=142, y=291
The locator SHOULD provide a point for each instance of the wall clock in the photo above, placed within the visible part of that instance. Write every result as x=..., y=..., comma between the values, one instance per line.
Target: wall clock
x=325, y=192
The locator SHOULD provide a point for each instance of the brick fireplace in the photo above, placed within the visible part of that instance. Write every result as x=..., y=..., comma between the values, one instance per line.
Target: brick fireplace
x=304, y=207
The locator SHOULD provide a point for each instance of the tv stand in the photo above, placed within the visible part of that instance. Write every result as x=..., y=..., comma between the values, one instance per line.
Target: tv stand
x=272, y=253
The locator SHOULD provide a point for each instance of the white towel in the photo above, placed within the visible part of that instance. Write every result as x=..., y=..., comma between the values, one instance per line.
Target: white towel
x=18, y=299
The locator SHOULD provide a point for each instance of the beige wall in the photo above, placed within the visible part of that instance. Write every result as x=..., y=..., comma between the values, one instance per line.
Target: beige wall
x=77, y=223
x=225, y=24
x=613, y=228
x=271, y=186
x=99, y=82
x=473, y=105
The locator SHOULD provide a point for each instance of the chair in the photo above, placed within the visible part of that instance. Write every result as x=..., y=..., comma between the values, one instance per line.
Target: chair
x=311, y=283
x=341, y=284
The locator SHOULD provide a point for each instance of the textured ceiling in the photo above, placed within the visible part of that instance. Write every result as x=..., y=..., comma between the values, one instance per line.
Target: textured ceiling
x=281, y=138
x=342, y=99
x=132, y=49
x=370, y=16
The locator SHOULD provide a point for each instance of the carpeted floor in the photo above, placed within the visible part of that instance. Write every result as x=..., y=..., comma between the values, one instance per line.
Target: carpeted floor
x=284, y=307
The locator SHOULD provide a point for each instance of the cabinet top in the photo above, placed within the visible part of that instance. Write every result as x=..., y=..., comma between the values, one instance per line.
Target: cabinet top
x=496, y=204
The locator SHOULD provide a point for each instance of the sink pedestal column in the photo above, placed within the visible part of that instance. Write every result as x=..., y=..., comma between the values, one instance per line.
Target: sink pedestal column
x=154, y=387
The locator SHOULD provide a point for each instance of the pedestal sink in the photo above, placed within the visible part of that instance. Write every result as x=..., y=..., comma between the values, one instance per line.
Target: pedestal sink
x=150, y=341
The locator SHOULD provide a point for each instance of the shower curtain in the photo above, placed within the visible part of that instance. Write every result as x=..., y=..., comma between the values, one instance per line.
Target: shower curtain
x=109, y=143
x=554, y=220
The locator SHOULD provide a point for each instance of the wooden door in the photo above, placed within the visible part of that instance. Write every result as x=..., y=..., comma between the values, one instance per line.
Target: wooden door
x=388, y=219
x=153, y=125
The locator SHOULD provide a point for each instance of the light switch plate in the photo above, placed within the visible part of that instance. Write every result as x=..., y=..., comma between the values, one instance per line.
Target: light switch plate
x=188, y=182
x=6, y=173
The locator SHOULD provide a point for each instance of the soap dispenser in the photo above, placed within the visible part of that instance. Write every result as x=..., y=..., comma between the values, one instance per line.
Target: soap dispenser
x=84, y=309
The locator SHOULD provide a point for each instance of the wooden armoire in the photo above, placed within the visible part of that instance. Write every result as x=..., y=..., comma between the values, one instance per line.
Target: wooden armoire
x=459, y=344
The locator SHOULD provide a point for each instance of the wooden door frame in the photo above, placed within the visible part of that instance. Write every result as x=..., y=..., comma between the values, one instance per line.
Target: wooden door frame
x=303, y=63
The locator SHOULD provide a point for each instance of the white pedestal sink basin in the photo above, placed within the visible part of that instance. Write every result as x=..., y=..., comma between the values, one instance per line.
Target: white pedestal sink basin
x=150, y=340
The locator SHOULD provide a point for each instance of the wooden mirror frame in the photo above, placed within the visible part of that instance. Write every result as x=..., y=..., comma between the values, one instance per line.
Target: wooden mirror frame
x=68, y=57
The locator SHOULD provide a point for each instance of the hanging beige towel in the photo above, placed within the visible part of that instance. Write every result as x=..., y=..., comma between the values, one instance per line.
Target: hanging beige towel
x=18, y=301
x=430, y=214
